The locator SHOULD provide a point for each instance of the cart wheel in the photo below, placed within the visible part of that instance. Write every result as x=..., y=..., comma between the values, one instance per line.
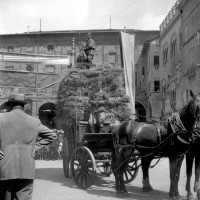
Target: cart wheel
x=131, y=170
x=83, y=167
x=66, y=161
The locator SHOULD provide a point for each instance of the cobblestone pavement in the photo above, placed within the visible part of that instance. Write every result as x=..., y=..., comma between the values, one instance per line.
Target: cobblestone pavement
x=50, y=184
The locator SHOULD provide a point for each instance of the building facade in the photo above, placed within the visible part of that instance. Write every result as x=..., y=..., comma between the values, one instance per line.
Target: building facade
x=190, y=16
x=39, y=82
x=170, y=60
x=179, y=50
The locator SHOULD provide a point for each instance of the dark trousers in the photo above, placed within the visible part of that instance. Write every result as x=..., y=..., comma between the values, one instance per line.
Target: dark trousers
x=16, y=189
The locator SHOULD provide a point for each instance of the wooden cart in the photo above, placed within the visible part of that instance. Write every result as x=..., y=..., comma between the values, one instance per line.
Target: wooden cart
x=89, y=154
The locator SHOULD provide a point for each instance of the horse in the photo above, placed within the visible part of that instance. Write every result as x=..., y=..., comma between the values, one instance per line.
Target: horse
x=153, y=140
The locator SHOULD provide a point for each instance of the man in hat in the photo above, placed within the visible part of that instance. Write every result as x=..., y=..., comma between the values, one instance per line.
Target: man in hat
x=89, y=48
x=18, y=134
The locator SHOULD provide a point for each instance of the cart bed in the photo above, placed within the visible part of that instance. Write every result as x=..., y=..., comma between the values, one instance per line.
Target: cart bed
x=97, y=142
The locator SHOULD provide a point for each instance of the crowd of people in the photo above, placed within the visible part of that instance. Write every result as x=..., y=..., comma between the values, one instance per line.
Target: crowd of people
x=54, y=151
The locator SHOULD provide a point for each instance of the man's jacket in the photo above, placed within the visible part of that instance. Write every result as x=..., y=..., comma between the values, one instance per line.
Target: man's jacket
x=18, y=134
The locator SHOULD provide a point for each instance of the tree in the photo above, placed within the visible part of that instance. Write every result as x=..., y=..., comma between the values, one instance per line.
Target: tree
x=88, y=92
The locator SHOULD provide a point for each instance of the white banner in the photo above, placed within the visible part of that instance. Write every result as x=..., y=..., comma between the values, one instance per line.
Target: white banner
x=128, y=47
x=34, y=58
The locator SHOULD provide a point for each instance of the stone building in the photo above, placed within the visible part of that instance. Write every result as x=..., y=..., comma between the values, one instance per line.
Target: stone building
x=170, y=61
x=39, y=82
x=150, y=71
x=190, y=17
x=179, y=50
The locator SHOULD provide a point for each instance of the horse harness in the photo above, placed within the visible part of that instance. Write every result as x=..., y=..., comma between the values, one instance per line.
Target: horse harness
x=178, y=128
x=133, y=145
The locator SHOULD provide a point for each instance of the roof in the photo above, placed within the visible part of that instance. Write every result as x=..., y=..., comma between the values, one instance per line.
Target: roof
x=82, y=31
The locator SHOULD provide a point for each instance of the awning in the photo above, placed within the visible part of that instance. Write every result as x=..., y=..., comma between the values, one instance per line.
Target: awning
x=34, y=58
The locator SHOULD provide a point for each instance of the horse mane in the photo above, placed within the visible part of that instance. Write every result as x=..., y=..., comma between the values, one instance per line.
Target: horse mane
x=186, y=116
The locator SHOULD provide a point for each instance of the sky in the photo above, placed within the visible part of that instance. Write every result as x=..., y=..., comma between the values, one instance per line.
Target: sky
x=19, y=16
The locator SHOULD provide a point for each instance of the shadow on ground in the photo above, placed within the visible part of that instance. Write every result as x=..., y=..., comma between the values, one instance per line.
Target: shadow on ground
x=103, y=186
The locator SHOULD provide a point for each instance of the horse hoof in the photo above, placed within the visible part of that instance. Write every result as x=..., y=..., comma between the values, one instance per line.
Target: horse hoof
x=190, y=197
x=122, y=194
x=147, y=189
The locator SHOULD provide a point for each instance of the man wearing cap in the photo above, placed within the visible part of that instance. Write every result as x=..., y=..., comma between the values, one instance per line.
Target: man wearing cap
x=18, y=134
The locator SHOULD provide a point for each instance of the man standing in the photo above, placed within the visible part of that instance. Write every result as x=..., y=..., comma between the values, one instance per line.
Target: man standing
x=18, y=134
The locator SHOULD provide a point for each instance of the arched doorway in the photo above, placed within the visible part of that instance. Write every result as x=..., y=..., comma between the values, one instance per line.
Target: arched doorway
x=140, y=112
x=4, y=107
x=47, y=114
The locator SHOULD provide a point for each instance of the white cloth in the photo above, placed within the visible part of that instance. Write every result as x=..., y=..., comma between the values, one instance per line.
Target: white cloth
x=128, y=45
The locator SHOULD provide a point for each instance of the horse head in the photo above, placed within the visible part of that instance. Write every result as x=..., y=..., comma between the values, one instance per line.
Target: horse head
x=190, y=114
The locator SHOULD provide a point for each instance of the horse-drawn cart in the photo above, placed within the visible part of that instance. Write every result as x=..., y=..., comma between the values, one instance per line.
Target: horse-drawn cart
x=89, y=154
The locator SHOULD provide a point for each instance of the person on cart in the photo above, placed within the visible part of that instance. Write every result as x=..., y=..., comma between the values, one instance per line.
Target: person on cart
x=89, y=48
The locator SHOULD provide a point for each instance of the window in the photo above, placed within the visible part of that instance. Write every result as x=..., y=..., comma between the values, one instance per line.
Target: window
x=193, y=25
x=173, y=98
x=29, y=49
x=156, y=86
x=142, y=71
x=165, y=53
x=50, y=48
x=186, y=31
x=156, y=61
x=10, y=48
x=9, y=68
x=112, y=58
x=29, y=68
x=50, y=68
x=191, y=57
x=164, y=87
x=173, y=45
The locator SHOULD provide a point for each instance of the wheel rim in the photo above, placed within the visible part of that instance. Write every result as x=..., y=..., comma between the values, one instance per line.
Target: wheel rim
x=131, y=170
x=83, y=167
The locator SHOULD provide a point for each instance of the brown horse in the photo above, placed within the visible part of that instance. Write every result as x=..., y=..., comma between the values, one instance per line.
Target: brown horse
x=152, y=140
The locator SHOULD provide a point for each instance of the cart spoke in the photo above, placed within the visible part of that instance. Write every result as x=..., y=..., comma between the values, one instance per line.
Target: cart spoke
x=88, y=175
x=81, y=179
x=90, y=170
x=77, y=170
x=78, y=176
x=126, y=175
x=128, y=170
x=85, y=178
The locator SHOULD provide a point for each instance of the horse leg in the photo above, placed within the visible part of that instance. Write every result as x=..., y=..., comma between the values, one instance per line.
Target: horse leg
x=145, y=169
x=175, y=166
x=115, y=160
x=197, y=175
x=123, y=192
x=189, y=164
x=118, y=174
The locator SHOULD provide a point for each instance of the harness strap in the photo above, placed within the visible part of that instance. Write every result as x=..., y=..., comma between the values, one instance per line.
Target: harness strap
x=177, y=126
x=158, y=131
